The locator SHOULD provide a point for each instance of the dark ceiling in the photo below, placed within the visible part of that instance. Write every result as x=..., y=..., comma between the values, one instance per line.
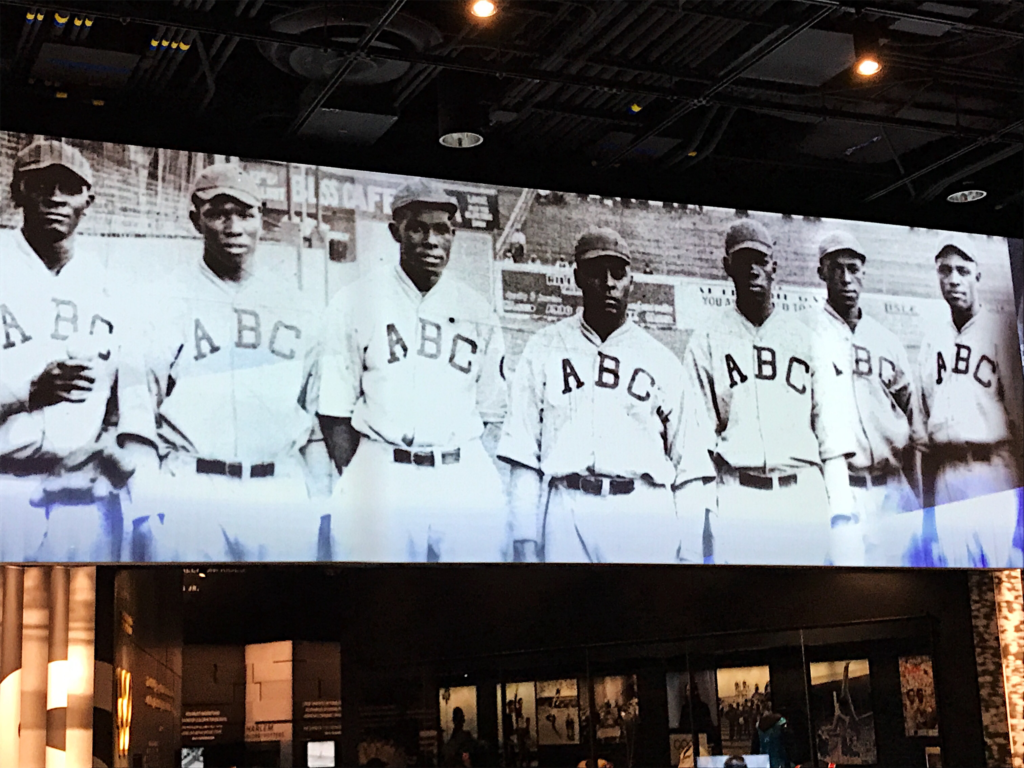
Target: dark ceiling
x=744, y=103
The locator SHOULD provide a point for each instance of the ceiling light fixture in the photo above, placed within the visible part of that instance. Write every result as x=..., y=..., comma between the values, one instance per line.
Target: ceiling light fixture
x=461, y=115
x=483, y=9
x=966, y=192
x=865, y=45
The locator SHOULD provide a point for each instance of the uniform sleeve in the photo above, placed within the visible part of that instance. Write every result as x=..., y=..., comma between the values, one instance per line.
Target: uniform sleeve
x=340, y=366
x=13, y=398
x=926, y=383
x=521, y=436
x=832, y=407
x=1011, y=381
x=491, y=389
x=145, y=375
x=693, y=446
x=907, y=395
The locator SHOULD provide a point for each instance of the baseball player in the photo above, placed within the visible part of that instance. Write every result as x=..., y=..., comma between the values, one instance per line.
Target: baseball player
x=972, y=407
x=59, y=469
x=887, y=403
x=780, y=420
x=596, y=411
x=214, y=411
x=410, y=378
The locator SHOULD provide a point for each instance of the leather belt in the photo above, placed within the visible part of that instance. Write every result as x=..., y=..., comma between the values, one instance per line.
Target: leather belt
x=32, y=466
x=766, y=482
x=233, y=468
x=427, y=458
x=599, y=486
x=967, y=451
x=870, y=479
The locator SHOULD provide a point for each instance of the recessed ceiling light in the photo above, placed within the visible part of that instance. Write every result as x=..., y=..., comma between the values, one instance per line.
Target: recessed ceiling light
x=483, y=8
x=966, y=195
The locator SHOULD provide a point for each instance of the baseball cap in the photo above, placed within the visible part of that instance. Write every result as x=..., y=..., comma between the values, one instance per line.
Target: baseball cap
x=46, y=152
x=601, y=241
x=958, y=242
x=748, y=233
x=839, y=240
x=422, y=192
x=227, y=179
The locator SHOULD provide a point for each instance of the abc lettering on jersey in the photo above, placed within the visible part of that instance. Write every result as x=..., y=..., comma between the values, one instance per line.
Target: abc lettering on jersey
x=772, y=403
x=411, y=369
x=971, y=382
x=47, y=317
x=580, y=405
x=225, y=372
x=886, y=400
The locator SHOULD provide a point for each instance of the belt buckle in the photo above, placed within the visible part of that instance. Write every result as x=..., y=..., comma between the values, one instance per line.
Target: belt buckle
x=606, y=486
x=423, y=458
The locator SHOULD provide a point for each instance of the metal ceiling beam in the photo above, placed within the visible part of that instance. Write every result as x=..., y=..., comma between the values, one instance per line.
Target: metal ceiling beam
x=928, y=18
x=963, y=173
x=771, y=44
x=948, y=159
x=369, y=36
x=157, y=14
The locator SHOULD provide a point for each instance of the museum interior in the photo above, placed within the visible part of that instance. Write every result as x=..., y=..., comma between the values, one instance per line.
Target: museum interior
x=667, y=120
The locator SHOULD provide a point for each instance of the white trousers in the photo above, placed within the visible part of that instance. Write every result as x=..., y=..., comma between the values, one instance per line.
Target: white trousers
x=54, y=526
x=639, y=527
x=384, y=511
x=976, y=516
x=875, y=506
x=182, y=516
x=786, y=525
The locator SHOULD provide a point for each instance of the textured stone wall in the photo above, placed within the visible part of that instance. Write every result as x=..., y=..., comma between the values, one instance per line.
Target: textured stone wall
x=997, y=613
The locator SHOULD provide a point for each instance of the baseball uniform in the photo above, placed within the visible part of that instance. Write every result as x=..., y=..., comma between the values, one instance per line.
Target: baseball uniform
x=886, y=409
x=601, y=421
x=419, y=375
x=220, y=390
x=972, y=406
x=778, y=415
x=54, y=502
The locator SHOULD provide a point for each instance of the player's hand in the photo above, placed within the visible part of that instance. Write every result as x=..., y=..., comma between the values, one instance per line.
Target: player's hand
x=62, y=381
x=525, y=551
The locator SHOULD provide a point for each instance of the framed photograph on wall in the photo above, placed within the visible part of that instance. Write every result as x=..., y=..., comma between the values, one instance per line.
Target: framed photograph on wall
x=517, y=721
x=558, y=712
x=933, y=757
x=842, y=713
x=743, y=694
x=917, y=689
x=618, y=708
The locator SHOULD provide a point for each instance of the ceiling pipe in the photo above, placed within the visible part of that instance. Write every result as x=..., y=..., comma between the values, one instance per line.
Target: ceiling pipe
x=688, y=161
x=948, y=159
x=771, y=44
x=932, y=192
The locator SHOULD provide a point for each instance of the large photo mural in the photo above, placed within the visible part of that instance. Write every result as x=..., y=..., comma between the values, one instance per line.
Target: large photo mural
x=212, y=358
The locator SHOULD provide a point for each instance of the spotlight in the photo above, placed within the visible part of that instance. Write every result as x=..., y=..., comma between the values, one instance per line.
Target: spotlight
x=483, y=9
x=865, y=44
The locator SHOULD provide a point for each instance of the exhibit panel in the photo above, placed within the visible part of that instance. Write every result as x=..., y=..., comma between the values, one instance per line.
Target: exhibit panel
x=212, y=358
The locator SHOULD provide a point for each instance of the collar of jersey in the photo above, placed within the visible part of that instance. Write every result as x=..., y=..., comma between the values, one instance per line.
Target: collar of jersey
x=414, y=293
x=831, y=312
x=591, y=335
x=35, y=263
x=755, y=329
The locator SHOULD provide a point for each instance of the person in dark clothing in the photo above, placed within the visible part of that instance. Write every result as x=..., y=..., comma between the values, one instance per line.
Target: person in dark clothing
x=772, y=737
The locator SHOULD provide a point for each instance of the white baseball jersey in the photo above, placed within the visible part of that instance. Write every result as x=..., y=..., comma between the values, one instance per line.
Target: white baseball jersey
x=48, y=317
x=580, y=405
x=874, y=364
x=226, y=371
x=410, y=369
x=773, y=404
x=971, y=382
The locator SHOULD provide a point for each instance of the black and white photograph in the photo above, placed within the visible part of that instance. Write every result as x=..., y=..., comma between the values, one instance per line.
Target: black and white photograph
x=518, y=722
x=558, y=712
x=209, y=358
x=744, y=694
x=842, y=712
x=618, y=708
